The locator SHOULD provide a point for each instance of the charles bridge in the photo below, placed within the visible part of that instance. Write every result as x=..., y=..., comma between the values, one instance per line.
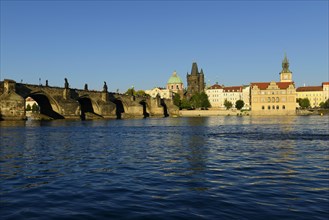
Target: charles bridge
x=67, y=103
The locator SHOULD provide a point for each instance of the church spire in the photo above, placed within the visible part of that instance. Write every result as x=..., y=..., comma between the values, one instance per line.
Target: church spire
x=285, y=64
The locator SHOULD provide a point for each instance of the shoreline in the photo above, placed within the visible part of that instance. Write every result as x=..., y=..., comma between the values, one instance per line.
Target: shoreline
x=186, y=113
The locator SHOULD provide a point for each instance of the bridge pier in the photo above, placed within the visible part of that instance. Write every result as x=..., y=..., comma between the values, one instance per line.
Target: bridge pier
x=12, y=105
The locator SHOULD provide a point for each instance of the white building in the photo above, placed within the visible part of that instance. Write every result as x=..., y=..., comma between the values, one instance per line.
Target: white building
x=162, y=92
x=29, y=101
x=215, y=96
x=246, y=96
x=218, y=94
x=233, y=94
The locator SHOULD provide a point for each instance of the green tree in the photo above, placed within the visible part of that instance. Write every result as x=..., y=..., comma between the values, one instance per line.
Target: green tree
x=185, y=104
x=177, y=100
x=200, y=100
x=239, y=104
x=28, y=107
x=325, y=104
x=304, y=103
x=35, y=108
x=204, y=100
x=140, y=93
x=228, y=104
x=130, y=91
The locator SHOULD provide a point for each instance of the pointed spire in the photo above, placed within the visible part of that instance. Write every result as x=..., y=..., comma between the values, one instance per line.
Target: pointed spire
x=194, y=70
x=285, y=64
x=201, y=71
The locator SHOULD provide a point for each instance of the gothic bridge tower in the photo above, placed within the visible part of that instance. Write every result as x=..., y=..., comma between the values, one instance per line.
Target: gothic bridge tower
x=195, y=81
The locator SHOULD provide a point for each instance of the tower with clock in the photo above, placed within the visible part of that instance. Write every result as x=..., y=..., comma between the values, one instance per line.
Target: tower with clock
x=285, y=74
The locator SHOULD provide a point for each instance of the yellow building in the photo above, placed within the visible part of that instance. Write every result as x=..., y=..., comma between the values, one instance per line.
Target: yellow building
x=275, y=98
x=315, y=94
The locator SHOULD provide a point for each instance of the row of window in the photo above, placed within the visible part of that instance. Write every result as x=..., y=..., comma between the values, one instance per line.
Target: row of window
x=273, y=107
x=273, y=92
x=172, y=87
x=317, y=94
x=271, y=99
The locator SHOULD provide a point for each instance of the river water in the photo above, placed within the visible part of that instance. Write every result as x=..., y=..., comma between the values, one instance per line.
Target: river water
x=167, y=168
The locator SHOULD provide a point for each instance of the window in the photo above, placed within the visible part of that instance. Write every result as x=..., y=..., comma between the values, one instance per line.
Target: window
x=283, y=107
x=268, y=99
x=269, y=107
x=273, y=99
x=177, y=87
x=273, y=107
x=277, y=107
x=263, y=107
x=277, y=99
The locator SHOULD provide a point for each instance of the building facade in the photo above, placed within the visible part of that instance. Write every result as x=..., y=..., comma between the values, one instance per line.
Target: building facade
x=162, y=92
x=195, y=81
x=232, y=94
x=315, y=94
x=215, y=96
x=246, y=96
x=275, y=98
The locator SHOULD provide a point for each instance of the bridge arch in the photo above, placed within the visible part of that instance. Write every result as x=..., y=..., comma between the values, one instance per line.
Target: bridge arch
x=88, y=105
x=48, y=105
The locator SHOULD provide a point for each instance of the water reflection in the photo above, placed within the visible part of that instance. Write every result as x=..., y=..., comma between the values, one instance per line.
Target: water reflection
x=247, y=166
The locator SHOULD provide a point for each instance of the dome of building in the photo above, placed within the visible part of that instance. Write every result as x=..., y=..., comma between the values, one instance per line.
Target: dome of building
x=174, y=79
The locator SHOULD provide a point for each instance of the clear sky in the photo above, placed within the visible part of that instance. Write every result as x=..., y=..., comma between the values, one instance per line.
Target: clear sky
x=140, y=43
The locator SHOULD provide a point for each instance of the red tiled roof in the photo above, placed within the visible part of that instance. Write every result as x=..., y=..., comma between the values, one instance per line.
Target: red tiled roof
x=261, y=85
x=233, y=89
x=216, y=86
x=264, y=85
x=325, y=83
x=309, y=88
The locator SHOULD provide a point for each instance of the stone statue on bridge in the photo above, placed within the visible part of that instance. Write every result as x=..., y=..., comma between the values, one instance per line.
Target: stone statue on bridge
x=66, y=84
x=105, y=87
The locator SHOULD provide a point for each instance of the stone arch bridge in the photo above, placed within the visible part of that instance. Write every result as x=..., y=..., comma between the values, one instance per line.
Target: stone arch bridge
x=68, y=103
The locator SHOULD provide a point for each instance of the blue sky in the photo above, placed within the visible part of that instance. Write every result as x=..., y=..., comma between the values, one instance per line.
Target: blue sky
x=140, y=43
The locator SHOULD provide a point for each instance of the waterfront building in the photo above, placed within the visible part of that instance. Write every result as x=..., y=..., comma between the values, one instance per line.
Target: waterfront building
x=175, y=84
x=195, y=81
x=215, y=96
x=158, y=91
x=232, y=94
x=29, y=101
x=315, y=94
x=246, y=96
x=325, y=86
x=275, y=98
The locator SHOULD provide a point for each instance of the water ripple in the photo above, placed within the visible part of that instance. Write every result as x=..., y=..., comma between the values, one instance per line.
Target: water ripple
x=173, y=168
